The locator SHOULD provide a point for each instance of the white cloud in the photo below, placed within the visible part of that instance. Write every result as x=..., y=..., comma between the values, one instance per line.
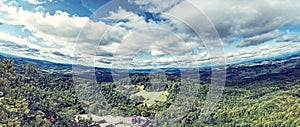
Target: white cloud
x=2, y=20
x=17, y=40
x=12, y=3
x=120, y=14
x=157, y=52
x=39, y=9
x=36, y=1
x=156, y=37
x=59, y=29
x=58, y=32
x=263, y=51
x=286, y=38
x=125, y=40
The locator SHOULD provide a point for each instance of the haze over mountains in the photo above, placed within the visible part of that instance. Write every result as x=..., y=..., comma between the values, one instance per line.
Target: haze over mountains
x=236, y=73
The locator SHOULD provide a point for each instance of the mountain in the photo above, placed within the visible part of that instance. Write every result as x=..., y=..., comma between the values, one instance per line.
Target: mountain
x=237, y=73
x=42, y=65
x=261, y=92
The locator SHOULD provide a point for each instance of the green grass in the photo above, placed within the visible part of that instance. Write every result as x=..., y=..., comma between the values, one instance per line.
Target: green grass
x=151, y=97
x=141, y=87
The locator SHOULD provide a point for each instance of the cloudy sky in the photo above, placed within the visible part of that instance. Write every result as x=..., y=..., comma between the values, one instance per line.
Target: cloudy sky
x=149, y=33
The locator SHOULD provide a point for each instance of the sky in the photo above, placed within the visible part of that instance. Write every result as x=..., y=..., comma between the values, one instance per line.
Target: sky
x=149, y=33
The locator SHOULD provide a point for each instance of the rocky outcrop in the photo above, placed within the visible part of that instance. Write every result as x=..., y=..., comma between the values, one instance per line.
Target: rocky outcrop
x=113, y=121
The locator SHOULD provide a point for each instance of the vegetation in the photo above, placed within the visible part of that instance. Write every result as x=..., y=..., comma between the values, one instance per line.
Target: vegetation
x=36, y=99
x=33, y=98
x=274, y=101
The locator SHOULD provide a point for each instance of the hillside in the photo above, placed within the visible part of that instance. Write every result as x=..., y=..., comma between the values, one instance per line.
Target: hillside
x=261, y=93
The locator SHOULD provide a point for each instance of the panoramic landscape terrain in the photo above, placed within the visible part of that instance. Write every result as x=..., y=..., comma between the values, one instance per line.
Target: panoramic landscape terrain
x=149, y=63
x=262, y=93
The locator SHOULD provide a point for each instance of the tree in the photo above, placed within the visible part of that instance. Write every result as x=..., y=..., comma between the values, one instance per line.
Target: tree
x=7, y=73
x=30, y=73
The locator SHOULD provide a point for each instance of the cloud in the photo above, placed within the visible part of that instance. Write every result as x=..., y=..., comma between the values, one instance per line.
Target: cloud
x=156, y=5
x=169, y=42
x=262, y=51
x=39, y=9
x=104, y=62
x=59, y=30
x=58, y=54
x=289, y=38
x=17, y=40
x=297, y=39
x=33, y=50
x=150, y=39
x=36, y=1
x=127, y=39
x=48, y=26
x=11, y=45
x=156, y=52
x=286, y=38
x=12, y=3
x=103, y=53
x=259, y=39
x=17, y=49
x=246, y=18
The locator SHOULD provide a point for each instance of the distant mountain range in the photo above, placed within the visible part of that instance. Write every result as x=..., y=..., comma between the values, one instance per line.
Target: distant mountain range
x=42, y=65
x=237, y=73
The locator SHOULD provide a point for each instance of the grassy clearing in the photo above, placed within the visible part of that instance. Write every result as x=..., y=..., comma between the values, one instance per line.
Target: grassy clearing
x=152, y=97
x=163, y=96
x=141, y=87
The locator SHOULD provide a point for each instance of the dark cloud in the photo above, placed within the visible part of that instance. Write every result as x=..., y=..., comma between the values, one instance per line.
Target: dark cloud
x=103, y=53
x=65, y=56
x=224, y=30
x=247, y=19
x=31, y=50
x=151, y=64
x=32, y=54
x=260, y=26
x=58, y=54
x=103, y=61
x=11, y=45
x=259, y=39
x=16, y=47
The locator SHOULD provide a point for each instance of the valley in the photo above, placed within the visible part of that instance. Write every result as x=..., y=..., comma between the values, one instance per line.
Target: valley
x=261, y=93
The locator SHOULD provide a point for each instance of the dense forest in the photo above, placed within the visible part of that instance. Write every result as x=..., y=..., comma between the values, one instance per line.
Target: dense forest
x=271, y=101
x=31, y=98
x=34, y=98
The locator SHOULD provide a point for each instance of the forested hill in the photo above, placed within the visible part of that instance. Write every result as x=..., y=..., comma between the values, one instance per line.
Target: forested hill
x=32, y=98
x=261, y=93
x=237, y=74
x=42, y=65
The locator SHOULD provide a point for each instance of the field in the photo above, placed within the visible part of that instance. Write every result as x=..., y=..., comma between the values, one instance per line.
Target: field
x=152, y=97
